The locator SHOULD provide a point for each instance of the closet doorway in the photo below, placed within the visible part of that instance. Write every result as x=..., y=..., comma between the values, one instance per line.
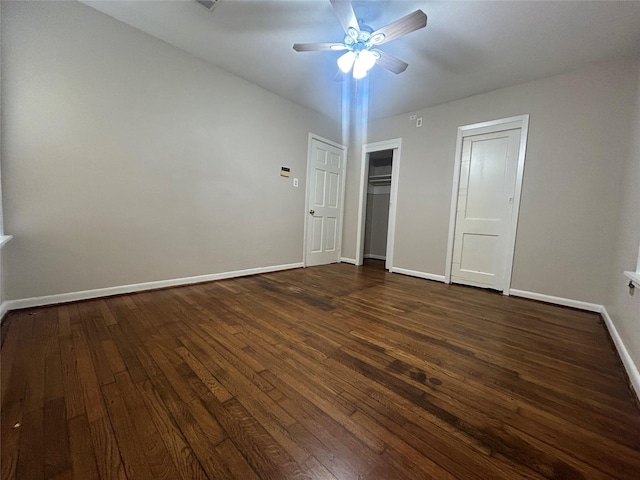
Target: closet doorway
x=378, y=193
x=376, y=223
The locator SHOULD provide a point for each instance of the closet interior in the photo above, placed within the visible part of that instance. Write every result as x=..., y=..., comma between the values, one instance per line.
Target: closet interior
x=377, y=212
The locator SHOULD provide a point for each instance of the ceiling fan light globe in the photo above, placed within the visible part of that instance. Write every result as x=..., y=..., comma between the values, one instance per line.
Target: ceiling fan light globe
x=359, y=70
x=367, y=59
x=345, y=62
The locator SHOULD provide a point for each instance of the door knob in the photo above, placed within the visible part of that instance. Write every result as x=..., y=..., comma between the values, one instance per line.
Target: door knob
x=312, y=212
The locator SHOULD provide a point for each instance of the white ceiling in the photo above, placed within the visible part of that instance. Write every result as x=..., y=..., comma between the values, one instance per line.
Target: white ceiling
x=468, y=47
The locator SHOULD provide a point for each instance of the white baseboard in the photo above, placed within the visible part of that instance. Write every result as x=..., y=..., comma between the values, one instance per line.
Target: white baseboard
x=138, y=287
x=374, y=256
x=627, y=361
x=414, y=273
x=352, y=261
x=566, y=302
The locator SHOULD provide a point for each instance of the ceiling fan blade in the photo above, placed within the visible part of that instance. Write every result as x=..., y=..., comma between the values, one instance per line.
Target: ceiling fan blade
x=407, y=24
x=318, y=47
x=390, y=62
x=346, y=15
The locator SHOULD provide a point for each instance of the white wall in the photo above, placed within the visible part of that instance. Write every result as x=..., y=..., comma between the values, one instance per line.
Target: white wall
x=579, y=129
x=126, y=160
x=623, y=304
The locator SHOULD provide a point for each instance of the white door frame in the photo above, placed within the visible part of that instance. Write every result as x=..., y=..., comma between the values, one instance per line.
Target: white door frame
x=313, y=136
x=395, y=145
x=519, y=121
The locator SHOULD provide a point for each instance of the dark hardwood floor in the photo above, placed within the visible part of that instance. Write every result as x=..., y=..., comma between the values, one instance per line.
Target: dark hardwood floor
x=334, y=372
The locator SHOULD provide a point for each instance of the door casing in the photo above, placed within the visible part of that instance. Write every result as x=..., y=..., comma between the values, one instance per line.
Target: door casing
x=395, y=145
x=521, y=122
x=306, y=238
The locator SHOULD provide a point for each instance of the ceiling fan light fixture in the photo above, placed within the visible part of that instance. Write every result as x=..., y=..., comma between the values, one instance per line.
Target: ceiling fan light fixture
x=367, y=59
x=359, y=68
x=364, y=36
x=345, y=62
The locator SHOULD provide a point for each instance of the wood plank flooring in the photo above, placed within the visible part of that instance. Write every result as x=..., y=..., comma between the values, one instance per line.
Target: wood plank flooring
x=332, y=372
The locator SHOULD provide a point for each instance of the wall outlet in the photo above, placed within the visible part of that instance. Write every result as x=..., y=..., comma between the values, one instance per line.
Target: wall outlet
x=419, y=122
x=295, y=182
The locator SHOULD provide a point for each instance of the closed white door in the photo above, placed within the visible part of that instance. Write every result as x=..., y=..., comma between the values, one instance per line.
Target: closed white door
x=486, y=193
x=324, y=215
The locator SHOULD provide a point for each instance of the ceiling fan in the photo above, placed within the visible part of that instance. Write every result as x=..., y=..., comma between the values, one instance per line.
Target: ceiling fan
x=361, y=41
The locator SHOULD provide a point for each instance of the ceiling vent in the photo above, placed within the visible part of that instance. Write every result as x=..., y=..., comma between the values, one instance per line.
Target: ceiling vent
x=208, y=4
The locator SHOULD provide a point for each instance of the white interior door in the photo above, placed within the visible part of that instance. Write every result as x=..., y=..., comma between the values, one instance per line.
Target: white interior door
x=325, y=183
x=486, y=193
